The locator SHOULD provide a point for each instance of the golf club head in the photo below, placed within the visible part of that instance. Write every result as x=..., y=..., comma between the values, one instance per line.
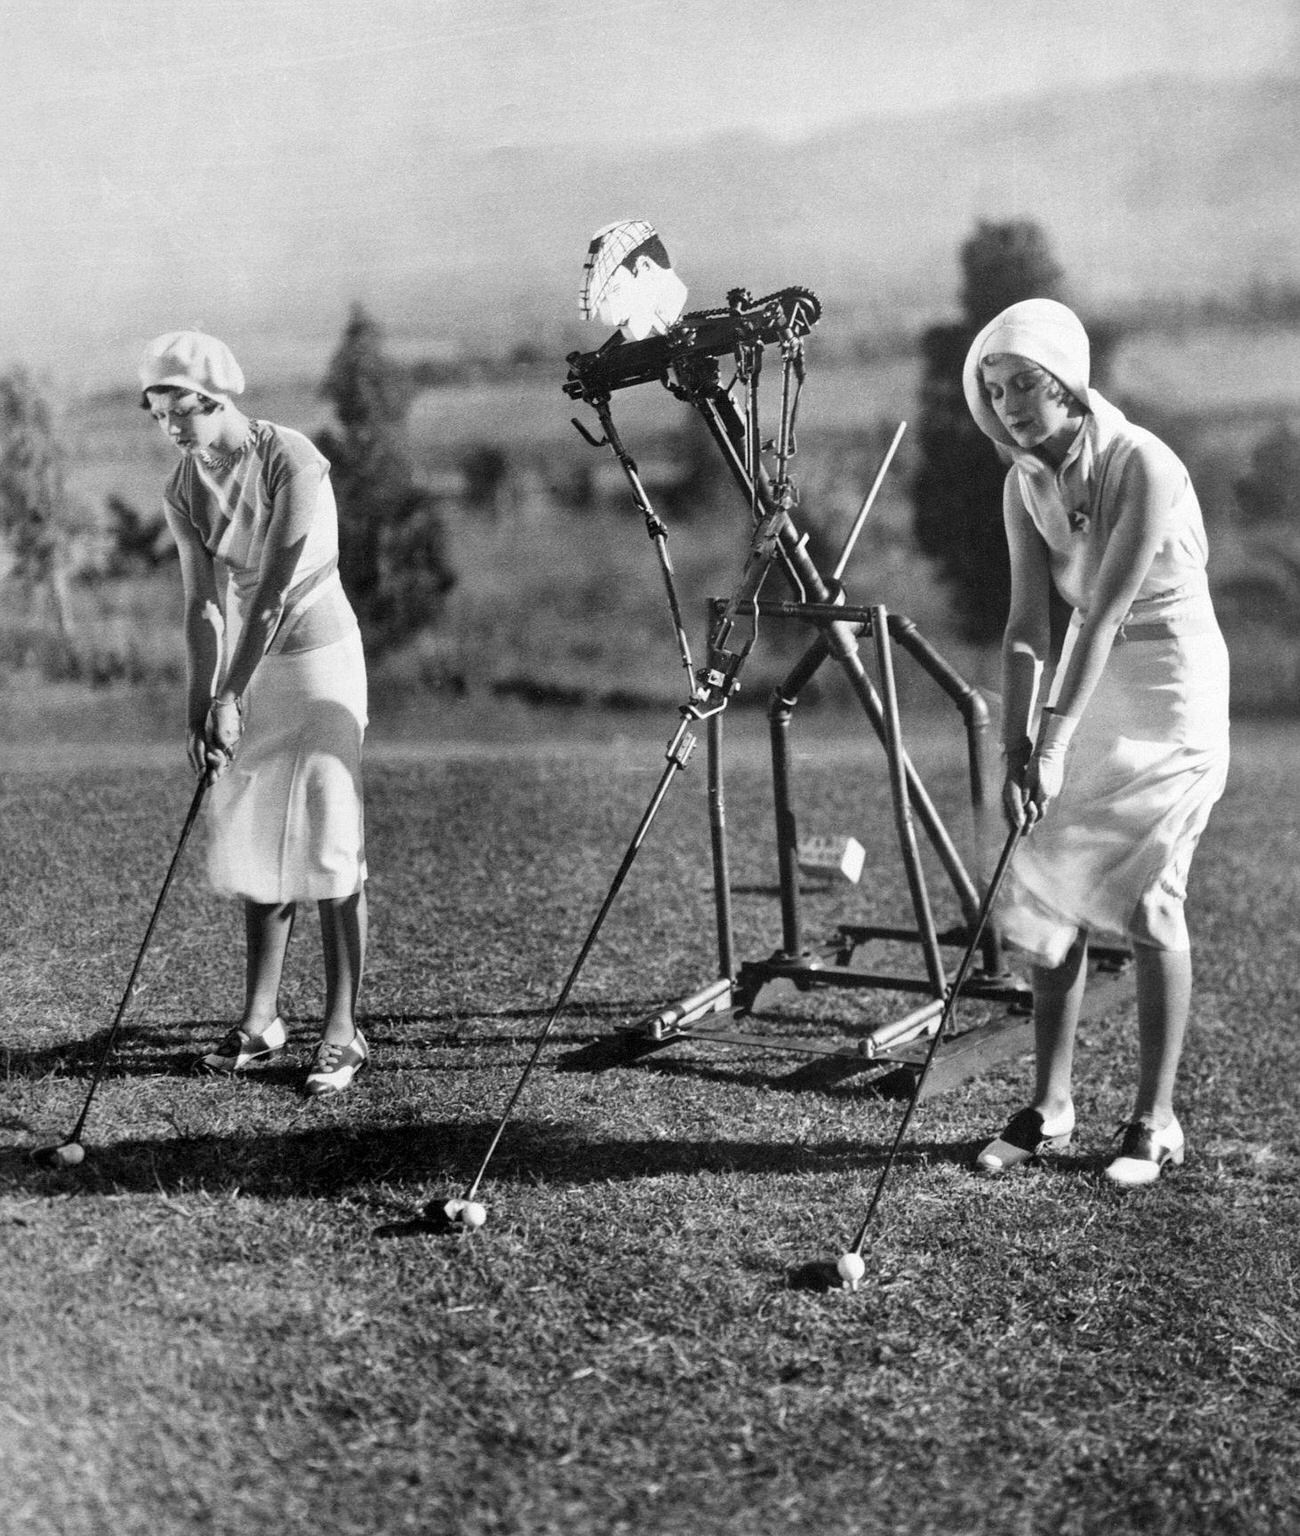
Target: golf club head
x=452, y=1213
x=819, y=1275
x=67, y=1154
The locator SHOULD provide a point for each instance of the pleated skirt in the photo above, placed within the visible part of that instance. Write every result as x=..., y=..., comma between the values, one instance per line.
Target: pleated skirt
x=1148, y=762
x=286, y=822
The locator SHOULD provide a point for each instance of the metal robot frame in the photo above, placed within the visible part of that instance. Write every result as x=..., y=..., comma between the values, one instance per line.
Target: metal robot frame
x=685, y=360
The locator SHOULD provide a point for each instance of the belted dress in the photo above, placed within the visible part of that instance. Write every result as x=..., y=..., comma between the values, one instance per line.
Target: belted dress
x=285, y=822
x=1149, y=758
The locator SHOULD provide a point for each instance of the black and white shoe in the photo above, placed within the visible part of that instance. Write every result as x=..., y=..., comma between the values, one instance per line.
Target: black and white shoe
x=1143, y=1154
x=238, y=1049
x=334, y=1066
x=1027, y=1136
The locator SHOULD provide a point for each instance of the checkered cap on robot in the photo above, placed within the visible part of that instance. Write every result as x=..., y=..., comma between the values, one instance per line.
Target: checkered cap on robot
x=612, y=247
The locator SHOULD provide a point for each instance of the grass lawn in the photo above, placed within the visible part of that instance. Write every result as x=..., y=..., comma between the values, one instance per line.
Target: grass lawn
x=231, y=1319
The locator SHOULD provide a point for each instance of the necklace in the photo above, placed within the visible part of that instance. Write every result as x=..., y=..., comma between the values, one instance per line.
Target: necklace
x=224, y=461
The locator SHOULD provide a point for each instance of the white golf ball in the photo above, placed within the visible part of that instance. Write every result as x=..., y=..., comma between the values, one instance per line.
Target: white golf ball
x=851, y=1269
x=452, y=1209
x=472, y=1215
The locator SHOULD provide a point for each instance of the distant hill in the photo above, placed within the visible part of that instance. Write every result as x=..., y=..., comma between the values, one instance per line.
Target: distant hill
x=1177, y=187
x=1171, y=187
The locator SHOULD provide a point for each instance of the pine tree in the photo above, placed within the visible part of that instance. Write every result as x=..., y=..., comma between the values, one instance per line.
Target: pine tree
x=957, y=488
x=1270, y=491
x=37, y=518
x=393, y=554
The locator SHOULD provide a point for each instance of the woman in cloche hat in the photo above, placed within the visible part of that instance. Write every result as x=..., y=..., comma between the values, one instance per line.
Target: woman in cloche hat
x=276, y=698
x=1114, y=770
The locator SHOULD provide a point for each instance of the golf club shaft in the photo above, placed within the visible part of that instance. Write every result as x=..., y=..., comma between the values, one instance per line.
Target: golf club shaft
x=676, y=761
x=958, y=981
x=190, y=818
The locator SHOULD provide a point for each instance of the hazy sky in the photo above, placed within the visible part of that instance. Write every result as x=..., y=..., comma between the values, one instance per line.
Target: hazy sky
x=134, y=124
x=97, y=76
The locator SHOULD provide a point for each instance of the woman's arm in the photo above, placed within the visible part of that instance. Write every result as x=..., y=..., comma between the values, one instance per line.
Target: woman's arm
x=1026, y=644
x=290, y=521
x=1026, y=641
x=204, y=628
x=1147, y=489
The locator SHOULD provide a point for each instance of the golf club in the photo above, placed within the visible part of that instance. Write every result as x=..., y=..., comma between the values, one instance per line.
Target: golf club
x=69, y=1152
x=850, y=1266
x=466, y=1212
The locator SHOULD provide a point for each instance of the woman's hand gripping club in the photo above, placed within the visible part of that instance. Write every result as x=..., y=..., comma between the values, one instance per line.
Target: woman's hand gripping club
x=1035, y=774
x=212, y=746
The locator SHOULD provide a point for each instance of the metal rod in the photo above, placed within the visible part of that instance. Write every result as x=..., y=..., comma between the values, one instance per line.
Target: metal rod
x=860, y=521
x=902, y=801
x=715, y=998
x=838, y=627
x=899, y=1031
x=975, y=715
x=718, y=840
x=655, y=526
x=787, y=830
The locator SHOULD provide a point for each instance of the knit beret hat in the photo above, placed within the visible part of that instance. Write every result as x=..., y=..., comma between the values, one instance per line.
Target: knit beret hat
x=191, y=360
x=1047, y=333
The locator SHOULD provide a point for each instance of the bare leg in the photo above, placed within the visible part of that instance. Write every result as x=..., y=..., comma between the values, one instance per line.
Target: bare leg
x=1047, y=1123
x=268, y=929
x=343, y=928
x=1164, y=991
x=1058, y=997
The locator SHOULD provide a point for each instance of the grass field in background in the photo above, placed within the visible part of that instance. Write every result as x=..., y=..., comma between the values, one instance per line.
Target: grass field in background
x=559, y=602
x=1217, y=374
x=232, y=1320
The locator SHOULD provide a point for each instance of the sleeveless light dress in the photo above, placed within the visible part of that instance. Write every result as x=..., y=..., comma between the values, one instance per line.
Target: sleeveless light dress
x=1150, y=756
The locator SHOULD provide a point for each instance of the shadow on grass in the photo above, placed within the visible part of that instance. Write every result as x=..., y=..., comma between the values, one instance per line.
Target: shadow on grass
x=175, y=1050
x=332, y=1161
x=835, y=1077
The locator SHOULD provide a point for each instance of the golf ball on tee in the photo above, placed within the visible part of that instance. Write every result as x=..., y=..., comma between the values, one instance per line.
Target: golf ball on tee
x=851, y=1269
x=68, y=1155
x=472, y=1215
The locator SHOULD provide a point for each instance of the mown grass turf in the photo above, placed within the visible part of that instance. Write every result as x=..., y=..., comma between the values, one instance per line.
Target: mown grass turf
x=233, y=1319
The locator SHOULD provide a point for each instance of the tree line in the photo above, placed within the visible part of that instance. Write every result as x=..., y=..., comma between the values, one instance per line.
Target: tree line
x=395, y=550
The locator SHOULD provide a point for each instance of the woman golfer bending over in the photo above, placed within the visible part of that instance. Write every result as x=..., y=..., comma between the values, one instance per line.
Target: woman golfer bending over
x=1116, y=779
x=276, y=691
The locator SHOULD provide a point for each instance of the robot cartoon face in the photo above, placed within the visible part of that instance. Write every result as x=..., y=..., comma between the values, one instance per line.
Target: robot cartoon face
x=629, y=281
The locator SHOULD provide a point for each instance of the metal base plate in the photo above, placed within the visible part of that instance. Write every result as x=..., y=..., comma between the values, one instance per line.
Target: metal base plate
x=723, y=1014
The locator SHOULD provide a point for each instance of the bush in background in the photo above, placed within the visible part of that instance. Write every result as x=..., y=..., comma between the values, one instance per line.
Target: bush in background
x=1270, y=491
x=39, y=521
x=957, y=488
x=393, y=554
x=137, y=543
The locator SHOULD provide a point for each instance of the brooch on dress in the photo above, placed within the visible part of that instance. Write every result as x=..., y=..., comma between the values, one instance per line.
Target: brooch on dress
x=1078, y=519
